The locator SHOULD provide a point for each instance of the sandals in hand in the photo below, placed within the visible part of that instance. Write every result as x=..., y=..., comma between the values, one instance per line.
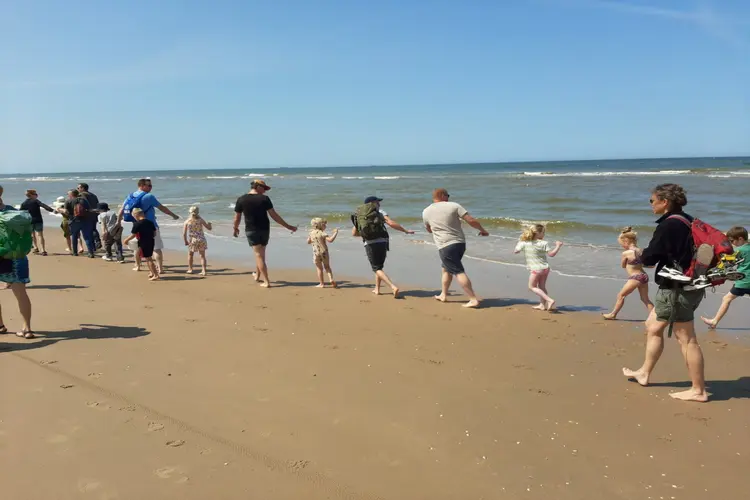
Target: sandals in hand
x=26, y=335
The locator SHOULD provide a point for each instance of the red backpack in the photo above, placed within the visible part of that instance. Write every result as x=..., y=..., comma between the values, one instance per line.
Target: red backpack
x=709, y=244
x=79, y=209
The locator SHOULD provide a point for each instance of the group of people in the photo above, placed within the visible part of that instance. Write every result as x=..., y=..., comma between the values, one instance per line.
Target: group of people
x=671, y=244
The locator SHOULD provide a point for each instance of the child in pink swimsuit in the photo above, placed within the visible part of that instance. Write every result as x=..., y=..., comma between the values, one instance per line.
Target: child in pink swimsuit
x=637, y=278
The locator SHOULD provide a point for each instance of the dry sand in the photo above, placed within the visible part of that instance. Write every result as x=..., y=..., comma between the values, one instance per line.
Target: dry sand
x=213, y=388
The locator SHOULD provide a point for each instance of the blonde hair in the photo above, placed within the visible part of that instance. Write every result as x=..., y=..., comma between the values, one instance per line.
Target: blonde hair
x=317, y=223
x=530, y=232
x=627, y=233
x=194, y=211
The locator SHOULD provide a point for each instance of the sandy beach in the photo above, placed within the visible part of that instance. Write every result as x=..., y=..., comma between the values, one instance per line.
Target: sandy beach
x=196, y=388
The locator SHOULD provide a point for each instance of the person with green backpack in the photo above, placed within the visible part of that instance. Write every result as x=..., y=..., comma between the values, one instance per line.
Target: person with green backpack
x=370, y=223
x=15, y=245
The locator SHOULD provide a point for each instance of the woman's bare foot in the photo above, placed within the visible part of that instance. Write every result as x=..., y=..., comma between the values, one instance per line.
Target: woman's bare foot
x=637, y=375
x=472, y=304
x=320, y=286
x=154, y=278
x=609, y=316
x=137, y=268
x=441, y=298
x=264, y=284
x=710, y=322
x=189, y=271
x=540, y=307
x=376, y=291
x=204, y=273
x=395, y=292
x=690, y=395
x=334, y=284
x=550, y=305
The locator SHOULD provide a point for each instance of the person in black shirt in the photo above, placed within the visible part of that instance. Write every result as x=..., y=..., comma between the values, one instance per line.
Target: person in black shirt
x=34, y=207
x=257, y=207
x=93, y=201
x=78, y=222
x=145, y=231
x=672, y=245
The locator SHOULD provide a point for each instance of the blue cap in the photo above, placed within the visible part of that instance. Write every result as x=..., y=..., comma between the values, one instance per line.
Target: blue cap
x=372, y=199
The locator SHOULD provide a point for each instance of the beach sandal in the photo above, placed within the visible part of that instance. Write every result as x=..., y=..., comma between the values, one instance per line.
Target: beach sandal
x=3, y=329
x=26, y=335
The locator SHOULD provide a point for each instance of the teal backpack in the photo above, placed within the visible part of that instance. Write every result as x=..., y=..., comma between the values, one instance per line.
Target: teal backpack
x=15, y=234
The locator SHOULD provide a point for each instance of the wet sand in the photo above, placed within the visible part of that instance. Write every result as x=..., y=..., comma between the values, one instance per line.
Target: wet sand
x=198, y=388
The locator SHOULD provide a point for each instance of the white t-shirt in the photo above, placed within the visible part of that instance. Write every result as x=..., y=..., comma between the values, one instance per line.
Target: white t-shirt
x=536, y=254
x=109, y=219
x=444, y=218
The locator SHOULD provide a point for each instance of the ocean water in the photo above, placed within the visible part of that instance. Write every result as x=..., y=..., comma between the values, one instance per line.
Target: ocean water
x=583, y=203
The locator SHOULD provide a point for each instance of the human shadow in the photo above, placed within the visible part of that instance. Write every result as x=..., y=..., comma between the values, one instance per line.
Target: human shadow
x=580, y=309
x=719, y=390
x=87, y=331
x=54, y=287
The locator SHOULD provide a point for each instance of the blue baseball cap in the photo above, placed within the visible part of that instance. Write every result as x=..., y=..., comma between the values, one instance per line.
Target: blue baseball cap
x=372, y=199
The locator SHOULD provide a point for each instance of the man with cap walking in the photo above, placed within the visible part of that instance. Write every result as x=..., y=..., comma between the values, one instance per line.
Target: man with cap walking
x=369, y=223
x=257, y=207
x=443, y=219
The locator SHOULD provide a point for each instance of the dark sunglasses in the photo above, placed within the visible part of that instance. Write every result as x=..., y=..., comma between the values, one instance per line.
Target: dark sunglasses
x=651, y=201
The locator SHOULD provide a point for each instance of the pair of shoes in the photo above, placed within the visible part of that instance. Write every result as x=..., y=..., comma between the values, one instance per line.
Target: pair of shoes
x=674, y=274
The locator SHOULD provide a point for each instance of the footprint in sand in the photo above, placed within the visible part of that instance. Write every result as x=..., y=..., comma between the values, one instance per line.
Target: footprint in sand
x=45, y=362
x=176, y=443
x=155, y=426
x=171, y=472
x=298, y=464
x=95, y=375
x=97, y=405
x=128, y=408
x=66, y=386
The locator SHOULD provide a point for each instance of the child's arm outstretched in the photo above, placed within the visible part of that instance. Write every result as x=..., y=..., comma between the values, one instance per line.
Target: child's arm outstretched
x=207, y=225
x=332, y=238
x=519, y=247
x=554, y=251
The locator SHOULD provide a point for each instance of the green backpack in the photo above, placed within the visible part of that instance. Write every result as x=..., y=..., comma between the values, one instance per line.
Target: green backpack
x=15, y=234
x=370, y=222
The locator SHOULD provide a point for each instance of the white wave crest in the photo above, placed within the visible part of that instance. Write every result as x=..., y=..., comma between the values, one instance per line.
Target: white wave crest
x=223, y=177
x=386, y=177
x=605, y=174
x=320, y=177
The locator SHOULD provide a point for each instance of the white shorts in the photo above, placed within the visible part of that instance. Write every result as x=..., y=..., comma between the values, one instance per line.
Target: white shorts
x=158, y=243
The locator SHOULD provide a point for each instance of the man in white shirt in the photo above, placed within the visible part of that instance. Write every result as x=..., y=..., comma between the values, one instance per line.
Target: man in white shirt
x=443, y=220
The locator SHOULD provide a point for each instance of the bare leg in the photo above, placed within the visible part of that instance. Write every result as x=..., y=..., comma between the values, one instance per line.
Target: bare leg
x=628, y=288
x=260, y=262
x=691, y=351
x=24, y=304
x=204, y=263
x=68, y=245
x=159, y=261
x=137, y=255
x=319, y=270
x=534, y=280
x=376, y=291
x=723, y=308
x=384, y=277
x=446, y=279
x=654, y=348
x=153, y=271
x=327, y=267
x=643, y=291
x=465, y=282
x=42, y=242
x=543, y=285
x=190, y=263
x=33, y=242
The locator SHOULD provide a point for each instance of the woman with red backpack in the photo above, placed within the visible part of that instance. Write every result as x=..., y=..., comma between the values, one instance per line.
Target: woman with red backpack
x=671, y=246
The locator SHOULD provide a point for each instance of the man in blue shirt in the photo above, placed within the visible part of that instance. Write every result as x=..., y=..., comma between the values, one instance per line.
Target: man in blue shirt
x=149, y=203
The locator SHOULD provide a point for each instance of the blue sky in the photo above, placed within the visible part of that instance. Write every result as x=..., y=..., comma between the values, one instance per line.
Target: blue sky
x=195, y=84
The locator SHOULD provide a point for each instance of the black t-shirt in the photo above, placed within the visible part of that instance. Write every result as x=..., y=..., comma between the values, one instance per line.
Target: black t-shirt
x=671, y=244
x=145, y=229
x=92, y=200
x=34, y=207
x=70, y=207
x=255, y=208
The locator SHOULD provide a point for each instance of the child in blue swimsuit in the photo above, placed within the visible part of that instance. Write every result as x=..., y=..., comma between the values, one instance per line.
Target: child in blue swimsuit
x=637, y=277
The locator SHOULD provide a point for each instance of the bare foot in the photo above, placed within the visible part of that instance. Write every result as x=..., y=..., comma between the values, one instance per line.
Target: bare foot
x=691, y=394
x=550, y=305
x=265, y=285
x=441, y=298
x=320, y=286
x=540, y=307
x=136, y=269
x=395, y=292
x=204, y=273
x=472, y=304
x=376, y=291
x=638, y=376
x=609, y=316
x=189, y=271
x=710, y=322
x=154, y=278
x=334, y=284
x=256, y=277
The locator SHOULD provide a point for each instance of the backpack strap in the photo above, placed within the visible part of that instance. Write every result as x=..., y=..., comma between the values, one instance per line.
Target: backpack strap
x=682, y=218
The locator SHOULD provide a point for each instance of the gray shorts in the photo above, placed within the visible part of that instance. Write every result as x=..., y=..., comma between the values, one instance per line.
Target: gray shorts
x=37, y=227
x=255, y=238
x=677, y=305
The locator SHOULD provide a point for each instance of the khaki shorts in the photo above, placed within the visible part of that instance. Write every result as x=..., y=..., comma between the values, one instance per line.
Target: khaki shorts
x=677, y=305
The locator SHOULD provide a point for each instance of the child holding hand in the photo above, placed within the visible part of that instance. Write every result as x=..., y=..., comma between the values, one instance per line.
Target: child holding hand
x=319, y=240
x=536, y=250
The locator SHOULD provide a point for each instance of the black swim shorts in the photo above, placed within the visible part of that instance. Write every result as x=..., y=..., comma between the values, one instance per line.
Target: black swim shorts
x=146, y=247
x=255, y=238
x=451, y=257
x=739, y=292
x=376, y=254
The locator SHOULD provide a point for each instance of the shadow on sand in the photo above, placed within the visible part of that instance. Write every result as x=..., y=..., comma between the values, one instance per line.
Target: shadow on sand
x=87, y=331
x=720, y=390
x=55, y=287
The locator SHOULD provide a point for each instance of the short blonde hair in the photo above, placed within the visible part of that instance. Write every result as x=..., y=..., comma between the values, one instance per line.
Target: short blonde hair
x=318, y=223
x=195, y=211
x=137, y=211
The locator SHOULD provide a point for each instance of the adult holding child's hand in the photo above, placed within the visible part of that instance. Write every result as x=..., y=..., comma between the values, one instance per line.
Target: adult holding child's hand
x=256, y=207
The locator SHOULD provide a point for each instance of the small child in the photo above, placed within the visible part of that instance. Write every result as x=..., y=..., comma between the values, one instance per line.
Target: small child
x=195, y=239
x=637, y=278
x=738, y=238
x=144, y=230
x=319, y=240
x=536, y=251
x=111, y=232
